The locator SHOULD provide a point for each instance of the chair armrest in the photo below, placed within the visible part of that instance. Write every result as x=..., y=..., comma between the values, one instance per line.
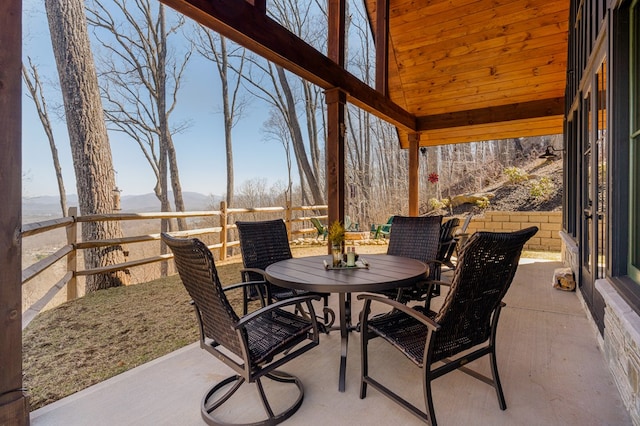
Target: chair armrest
x=428, y=322
x=256, y=270
x=243, y=284
x=282, y=303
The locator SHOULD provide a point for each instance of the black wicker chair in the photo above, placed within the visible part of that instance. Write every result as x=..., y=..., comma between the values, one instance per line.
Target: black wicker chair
x=253, y=345
x=448, y=241
x=416, y=238
x=263, y=243
x=463, y=330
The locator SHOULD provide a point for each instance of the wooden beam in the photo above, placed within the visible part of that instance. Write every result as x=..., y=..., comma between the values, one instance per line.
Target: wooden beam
x=414, y=166
x=241, y=22
x=335, y=173
x=336, y=126
x=336, y=47
x=261, y=5
x=14, y=407
x=512, y=112
x=382, y=46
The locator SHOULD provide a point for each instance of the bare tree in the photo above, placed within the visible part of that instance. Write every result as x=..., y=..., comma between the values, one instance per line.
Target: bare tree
x=141, y=81
x=286, y=93
x=278, y=130
x=214, y=48
x=32, y=80
x=90, y=147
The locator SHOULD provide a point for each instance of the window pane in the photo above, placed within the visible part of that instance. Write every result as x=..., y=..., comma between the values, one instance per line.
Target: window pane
x=634, y=211
x=602, y=176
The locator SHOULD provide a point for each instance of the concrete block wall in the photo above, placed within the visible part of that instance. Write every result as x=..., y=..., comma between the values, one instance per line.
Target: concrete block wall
x=549, y=225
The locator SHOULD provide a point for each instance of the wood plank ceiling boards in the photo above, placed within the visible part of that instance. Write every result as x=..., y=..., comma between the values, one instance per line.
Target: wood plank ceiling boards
x=457, y=70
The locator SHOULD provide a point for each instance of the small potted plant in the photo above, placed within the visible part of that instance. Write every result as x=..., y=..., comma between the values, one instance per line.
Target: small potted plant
x=336, y=239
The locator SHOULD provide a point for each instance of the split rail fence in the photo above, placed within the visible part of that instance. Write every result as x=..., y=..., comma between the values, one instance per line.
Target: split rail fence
x=297, y=219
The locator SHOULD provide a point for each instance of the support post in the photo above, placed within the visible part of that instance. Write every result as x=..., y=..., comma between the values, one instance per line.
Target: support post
x=14, y=405
x=336, y=126
x=223, y=233
x=337, y=27
x=288, y=216
x=72, y=258
x=336, y=129
x=382, y=46
x=414, y=167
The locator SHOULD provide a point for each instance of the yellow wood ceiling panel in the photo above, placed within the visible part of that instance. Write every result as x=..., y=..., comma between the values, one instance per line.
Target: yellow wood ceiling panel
x=489, y=22
x=452, y=56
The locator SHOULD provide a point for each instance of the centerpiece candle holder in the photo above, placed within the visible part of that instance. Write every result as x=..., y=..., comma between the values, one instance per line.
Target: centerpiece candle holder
x=336, y=239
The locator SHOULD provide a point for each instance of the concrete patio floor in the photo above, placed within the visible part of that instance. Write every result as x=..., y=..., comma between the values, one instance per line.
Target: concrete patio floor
x=550, y=365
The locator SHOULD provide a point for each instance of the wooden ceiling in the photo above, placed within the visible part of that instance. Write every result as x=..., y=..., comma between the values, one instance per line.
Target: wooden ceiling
x=477, y=69
x=458, y=70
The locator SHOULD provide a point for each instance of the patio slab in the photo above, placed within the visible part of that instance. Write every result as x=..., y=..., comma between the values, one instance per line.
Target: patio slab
x=550, y=365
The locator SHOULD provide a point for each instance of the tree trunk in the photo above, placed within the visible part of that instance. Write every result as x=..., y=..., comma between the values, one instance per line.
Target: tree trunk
x=88, y=137
x=296, y=139
x=163, y=121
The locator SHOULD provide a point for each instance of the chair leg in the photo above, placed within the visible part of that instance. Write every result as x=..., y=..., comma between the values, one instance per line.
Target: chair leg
x=364, y=347
x=492, y=357
x=496, y=379
x=364, y=363
x=428, y=399
x=210, y=404
x=325, y=307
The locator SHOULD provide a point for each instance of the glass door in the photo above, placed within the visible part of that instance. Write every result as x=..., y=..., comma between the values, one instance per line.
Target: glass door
x=594, y=184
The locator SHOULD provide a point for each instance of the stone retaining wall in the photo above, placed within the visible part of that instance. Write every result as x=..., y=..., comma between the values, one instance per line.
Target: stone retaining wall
x=549, y=225
x=620, y=341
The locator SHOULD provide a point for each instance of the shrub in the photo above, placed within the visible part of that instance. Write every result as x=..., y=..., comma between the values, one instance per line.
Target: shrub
x=516, y=175
x=436, y=204
x=542, y=189
x=483, y=203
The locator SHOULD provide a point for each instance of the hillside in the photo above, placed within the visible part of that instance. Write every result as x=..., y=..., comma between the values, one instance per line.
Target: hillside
x=541, y=191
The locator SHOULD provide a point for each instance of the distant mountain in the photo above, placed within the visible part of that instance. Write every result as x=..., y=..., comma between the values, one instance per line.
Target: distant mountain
x=48, y=206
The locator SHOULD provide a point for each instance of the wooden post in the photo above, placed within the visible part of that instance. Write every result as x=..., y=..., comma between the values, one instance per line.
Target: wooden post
x=72, y=258
x=336, y=32
x=287, y=218
x=382, y=46
x=336, y=126
x=14, y=406
x=336, y=129
x=414, y=166
x=223, y=232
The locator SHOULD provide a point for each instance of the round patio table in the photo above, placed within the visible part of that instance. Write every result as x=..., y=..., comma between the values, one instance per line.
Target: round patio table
x=375, y=272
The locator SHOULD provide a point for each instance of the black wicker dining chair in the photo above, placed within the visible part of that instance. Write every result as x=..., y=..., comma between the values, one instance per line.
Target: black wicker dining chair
x=448, y=241
x=416, y=237
x=263, y=243
x=463, y=330
x=253, y=345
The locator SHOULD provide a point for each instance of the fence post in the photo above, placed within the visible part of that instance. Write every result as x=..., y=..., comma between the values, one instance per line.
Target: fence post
x=72, y=258
x=287, y=218
x=223, y=233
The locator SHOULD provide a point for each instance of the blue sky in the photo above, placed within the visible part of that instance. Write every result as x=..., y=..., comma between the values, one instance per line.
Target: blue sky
x=200, y=148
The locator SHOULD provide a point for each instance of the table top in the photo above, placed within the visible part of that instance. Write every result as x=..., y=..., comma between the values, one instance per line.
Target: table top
x=384, y=272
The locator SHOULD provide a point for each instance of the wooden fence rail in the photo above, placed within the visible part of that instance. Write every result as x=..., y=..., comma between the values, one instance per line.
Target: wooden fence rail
x=295, y=218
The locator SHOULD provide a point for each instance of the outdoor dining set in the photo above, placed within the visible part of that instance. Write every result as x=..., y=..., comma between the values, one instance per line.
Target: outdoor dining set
x=396, y=290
